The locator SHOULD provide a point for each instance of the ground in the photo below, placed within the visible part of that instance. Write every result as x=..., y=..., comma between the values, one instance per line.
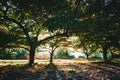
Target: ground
x=60, y=70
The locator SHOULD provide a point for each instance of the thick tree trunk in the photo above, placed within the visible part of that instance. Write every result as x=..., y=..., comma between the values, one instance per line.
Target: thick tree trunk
x=51, y=58
x=87, y=55
x=32, y=54
x=105, y=54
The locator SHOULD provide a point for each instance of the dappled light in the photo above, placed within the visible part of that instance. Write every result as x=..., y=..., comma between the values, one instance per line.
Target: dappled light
x=65, y=71
x=59, y=39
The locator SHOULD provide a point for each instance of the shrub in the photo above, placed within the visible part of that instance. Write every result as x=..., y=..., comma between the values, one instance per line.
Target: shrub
x=63, y=54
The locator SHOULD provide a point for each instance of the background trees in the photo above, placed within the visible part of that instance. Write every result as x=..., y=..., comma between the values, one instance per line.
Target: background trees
x=101, y=22
x=105, y=24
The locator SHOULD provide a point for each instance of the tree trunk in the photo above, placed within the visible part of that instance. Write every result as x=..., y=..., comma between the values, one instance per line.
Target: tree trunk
x=105, y=54
x=31, y=57
x=51, y=58
x=112, y=56
x=87, y=55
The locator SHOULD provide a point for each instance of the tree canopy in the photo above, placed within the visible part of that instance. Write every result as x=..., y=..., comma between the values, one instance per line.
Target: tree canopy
x=97, y=20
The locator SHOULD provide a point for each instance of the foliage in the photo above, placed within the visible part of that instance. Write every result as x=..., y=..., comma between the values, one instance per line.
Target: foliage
x=5, y=36
x=86, y=44
x=6, y=54
x=14, y=53
x=25, y=19
x=97, y=20
x=61, y=54
x=62, y=20
x=19, y=52
x=102, y=31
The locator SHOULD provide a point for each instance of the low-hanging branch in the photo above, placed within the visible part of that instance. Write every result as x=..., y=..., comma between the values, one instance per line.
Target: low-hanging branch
x=50, y=37
x=18, y=46
x=20, y=25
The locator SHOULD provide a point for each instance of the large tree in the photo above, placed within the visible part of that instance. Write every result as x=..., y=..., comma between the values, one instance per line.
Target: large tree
x=100, y=20
x=107, y=26
x=25, y=19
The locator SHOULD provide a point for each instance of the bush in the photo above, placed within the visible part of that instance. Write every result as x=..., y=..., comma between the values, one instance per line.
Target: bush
x=64, y=55
x=6, y=55
x=12, y=53
x=20, y=53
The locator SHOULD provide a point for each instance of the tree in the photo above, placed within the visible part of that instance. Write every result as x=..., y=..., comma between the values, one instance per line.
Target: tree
x=86, y=44
x=27, y=18
x=107, y=22
x=102, y=19
x=54, y=44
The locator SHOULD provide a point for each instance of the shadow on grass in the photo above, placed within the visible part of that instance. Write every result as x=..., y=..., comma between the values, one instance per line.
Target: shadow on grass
x=51, y=72
x=17, y=72
x=76, y=71
x=110, y=69
x=48, y=72
x=113, y=62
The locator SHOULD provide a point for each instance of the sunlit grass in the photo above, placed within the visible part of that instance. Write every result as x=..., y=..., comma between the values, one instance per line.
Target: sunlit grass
x=13, y=62
x=55, y=61
x=70, y=68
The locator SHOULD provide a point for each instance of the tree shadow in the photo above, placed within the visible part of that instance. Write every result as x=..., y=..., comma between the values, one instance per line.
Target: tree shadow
x=48, y=72
x=102, y=69
x=51, y=72
x=14, y=72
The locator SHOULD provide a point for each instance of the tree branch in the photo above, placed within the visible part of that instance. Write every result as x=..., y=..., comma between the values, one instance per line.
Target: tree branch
x=50, y=37
x=18, y=46
x=21, y=26
x=5, y=12
x=77, y=5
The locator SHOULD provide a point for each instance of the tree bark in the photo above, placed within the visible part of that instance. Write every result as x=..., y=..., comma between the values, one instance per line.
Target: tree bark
x=31, y=56
x=105, y=54
x=51, y=58
x=87, y=55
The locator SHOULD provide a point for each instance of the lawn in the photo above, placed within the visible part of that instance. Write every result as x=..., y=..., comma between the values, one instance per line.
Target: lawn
x=60, y=70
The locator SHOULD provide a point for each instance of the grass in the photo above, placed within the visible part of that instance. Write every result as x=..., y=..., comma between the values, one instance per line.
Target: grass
x=64, y=70
x=56, y=61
